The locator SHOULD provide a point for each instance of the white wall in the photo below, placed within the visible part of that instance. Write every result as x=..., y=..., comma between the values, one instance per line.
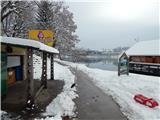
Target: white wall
x=13, y=61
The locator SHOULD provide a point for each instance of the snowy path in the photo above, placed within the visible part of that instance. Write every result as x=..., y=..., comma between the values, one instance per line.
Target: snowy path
x=123, y=88
x=93, y=104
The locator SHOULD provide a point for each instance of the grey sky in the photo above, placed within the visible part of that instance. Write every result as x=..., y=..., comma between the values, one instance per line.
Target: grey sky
x=110, y=24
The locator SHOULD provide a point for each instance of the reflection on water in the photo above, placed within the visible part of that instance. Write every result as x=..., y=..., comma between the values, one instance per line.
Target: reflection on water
x=104, y=65
x=100, y=62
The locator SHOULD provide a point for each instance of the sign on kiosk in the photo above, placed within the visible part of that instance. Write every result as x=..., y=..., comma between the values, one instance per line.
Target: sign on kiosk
x=123, y=64
x=44, y=36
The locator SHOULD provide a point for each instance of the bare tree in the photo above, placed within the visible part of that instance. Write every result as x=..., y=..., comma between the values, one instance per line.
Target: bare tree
x=16, y=18
x=7, y=7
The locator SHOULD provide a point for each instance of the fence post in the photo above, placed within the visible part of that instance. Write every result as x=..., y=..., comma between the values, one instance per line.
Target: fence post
x=30, y=85
x=128, y=67
x=118, y=69
x=52, y=66
x=44, y=70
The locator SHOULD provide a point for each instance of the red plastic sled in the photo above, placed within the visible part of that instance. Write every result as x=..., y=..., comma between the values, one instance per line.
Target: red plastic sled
x=150, y=102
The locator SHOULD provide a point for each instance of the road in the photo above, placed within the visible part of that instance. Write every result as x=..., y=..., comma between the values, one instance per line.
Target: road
x=93, y=103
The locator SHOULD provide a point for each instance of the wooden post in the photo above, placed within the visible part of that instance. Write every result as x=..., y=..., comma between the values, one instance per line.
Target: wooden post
x=52, y=66
x=127, y=66
x=118, y=68
x=30, y=88
x=44, y=70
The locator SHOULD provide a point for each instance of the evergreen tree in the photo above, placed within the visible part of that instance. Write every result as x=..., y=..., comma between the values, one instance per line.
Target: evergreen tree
x=44, y=15
x=55, y=16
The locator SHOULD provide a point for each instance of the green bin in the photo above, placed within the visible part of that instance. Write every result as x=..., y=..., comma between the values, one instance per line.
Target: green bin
x=3, y=73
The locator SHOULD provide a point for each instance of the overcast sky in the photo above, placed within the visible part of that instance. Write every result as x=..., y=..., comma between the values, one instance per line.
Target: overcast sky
x=112, y=23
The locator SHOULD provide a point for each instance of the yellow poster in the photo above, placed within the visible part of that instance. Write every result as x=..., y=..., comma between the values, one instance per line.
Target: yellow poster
x=44, y=36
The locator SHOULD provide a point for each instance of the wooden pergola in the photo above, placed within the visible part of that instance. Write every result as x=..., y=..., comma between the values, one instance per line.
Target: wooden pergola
x=30, y=46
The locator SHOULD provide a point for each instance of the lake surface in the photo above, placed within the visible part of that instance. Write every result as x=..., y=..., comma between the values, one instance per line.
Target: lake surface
x=104, y=63
x=107, y=65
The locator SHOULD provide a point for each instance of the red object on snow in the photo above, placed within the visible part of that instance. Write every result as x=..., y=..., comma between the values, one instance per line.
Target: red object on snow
x=150, y=102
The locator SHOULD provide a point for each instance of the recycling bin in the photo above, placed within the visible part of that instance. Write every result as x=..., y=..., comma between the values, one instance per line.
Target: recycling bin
x=18, y=72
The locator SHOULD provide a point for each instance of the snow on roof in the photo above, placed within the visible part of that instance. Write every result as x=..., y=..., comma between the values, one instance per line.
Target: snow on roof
x=147, y=48
x=123, y=52
x=47, y=48
x=29, y=43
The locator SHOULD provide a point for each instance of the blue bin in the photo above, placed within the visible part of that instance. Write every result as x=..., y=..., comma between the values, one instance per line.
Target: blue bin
x=18, y=71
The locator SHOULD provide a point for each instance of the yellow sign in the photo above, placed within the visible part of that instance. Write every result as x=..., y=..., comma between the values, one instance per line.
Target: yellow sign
x=44, y=36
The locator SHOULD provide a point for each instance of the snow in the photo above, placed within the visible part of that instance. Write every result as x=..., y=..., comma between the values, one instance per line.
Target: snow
x=145, y=63
x=120, y=55
x=37, y=65
x=57, y=117
x=29, y=43
x=148, y=48
x=123, y=88
x=4, y=115
x=63, y=104
x=44, y=47
x=2, y=112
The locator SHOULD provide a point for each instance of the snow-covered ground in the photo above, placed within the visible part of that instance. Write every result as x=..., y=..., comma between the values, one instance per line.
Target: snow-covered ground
x=123, y=89
x=63, y=104
x=4, y=115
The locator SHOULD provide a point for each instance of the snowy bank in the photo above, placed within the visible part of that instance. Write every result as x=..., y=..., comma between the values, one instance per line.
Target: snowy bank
x=63, y=104
x=123, y=88
x=37, y=67
x=4, y=115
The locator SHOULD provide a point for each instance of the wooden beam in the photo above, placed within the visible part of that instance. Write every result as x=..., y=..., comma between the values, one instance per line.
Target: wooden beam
x=128, y=66
x=38, y=92
x=52, y=66
x=30, y=88
x=44, y=70
x=118, y=69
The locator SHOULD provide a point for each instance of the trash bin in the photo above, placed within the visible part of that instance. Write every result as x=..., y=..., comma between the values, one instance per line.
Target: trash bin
x=11, y=77
x=18, y=71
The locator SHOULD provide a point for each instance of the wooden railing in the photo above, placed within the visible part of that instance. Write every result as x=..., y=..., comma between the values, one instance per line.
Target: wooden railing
x=144, y=68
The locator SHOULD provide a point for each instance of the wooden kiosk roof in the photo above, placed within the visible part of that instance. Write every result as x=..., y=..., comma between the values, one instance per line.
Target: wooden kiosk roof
x=28, y=43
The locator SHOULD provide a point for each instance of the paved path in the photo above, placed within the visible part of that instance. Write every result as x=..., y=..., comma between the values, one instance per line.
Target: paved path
x=92, y=103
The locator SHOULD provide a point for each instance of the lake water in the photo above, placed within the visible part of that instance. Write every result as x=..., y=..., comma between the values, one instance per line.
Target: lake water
x=100, y=63
x=107, y=65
